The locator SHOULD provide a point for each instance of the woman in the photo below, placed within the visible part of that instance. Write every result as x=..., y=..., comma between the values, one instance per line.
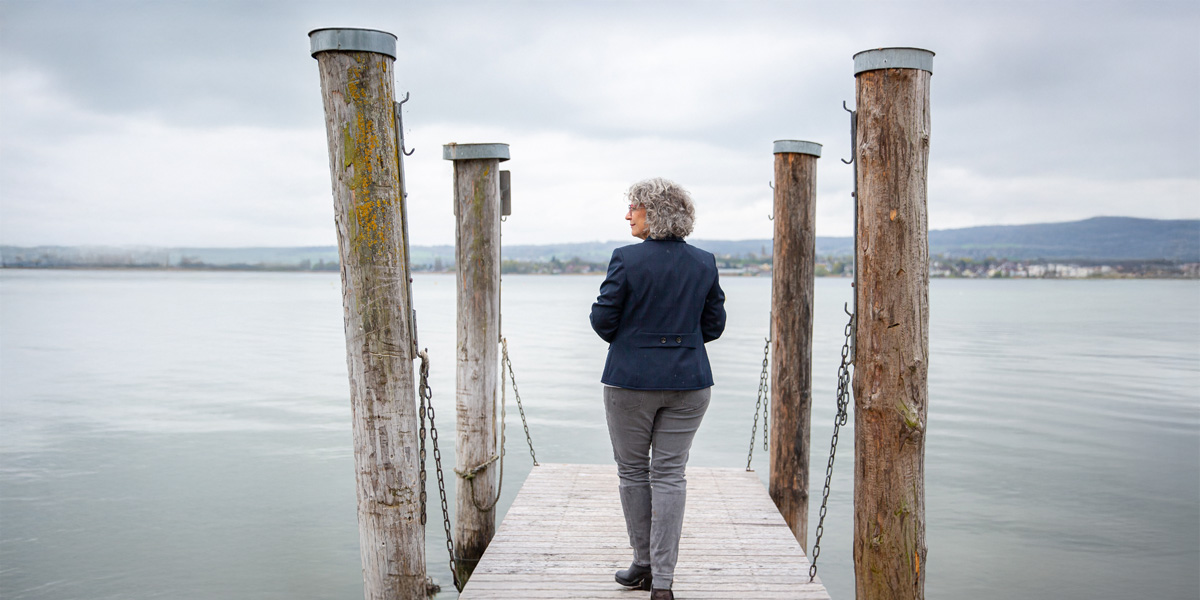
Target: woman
x=658, y=306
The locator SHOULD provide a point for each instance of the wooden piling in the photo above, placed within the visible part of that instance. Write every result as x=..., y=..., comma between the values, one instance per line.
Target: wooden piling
x=477, y=255
x=793, y=261
x=892, y=325
x=356, y=85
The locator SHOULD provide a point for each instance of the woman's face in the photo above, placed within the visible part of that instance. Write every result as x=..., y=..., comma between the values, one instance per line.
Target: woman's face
x=637, y=221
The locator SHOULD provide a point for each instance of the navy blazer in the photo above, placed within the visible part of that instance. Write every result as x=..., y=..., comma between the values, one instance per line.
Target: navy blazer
x=659, y=304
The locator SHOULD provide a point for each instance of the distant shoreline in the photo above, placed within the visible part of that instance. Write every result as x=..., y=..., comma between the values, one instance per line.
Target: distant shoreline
x=1100, y=247
x=1193, y=274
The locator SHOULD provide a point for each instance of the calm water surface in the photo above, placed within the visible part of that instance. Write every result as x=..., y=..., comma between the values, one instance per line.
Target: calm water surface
x=187, y=435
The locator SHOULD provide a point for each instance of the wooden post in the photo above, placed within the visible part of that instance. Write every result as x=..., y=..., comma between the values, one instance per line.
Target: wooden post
x=892, y=325
x=793, y=261
x=477, y=257
x=356, y=84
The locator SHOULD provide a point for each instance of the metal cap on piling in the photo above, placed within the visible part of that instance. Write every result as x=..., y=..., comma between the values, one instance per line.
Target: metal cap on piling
x=454, y=151
x=797, y=147
x=352, y=39
x=893, y=58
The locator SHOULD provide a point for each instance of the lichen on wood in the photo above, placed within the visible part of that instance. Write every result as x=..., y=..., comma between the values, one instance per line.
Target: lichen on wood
x=360, y=127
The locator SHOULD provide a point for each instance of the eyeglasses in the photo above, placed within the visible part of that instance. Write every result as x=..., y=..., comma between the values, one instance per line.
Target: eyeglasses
x=635, y=206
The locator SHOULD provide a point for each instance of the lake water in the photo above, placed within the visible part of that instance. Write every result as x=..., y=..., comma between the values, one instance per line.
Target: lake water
x=187, y=435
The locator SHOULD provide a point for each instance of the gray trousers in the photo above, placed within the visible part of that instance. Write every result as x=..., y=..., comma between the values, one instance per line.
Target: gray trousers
x=651, y=435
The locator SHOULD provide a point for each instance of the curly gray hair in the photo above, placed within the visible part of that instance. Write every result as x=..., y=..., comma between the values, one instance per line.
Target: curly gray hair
x=669, y=208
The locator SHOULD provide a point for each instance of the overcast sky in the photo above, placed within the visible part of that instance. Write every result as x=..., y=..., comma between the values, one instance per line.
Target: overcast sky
x=181, y=123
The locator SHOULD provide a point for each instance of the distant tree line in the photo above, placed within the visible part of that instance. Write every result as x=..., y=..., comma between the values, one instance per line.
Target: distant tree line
x=746, y=263
x=574, y=266
x=193, y=263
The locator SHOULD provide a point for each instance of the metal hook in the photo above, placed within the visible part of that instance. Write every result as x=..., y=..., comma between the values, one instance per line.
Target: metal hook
x=846, y=307
x=771, y=217
x=400, y=126
x=847, y=109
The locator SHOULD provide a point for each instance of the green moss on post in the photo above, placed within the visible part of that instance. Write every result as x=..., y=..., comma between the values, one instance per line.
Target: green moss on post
x=477, y=253
x=356, y=84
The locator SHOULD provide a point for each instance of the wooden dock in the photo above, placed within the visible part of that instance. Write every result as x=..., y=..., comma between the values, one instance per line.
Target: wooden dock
x=564, y=537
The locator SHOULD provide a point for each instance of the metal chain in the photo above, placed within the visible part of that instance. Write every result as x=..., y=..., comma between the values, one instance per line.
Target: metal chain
x=843, y=403
x=499, y=456
x=517, y=394
x=763, y=392
x=427, y=405
x=421, y=437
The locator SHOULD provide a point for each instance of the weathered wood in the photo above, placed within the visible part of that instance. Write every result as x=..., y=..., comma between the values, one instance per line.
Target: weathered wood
x=793, y=262
x=892, y=336
x=564, y=537
x=358, y=96
x=477, y=255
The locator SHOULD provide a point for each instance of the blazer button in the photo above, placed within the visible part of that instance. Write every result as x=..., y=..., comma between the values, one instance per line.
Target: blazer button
x=662, y=340
x=678, y=340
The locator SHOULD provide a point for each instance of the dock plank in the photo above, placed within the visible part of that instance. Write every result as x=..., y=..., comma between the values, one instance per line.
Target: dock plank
x=564, y=536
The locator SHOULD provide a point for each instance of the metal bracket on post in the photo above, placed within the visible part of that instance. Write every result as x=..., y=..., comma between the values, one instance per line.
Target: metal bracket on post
x=505, y=194
x=854, y=161
x=400, y=154
x=505, y=211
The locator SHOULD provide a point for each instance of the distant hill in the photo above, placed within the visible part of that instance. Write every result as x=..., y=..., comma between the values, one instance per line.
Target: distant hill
x=602, y=251
x=1098, y=238
x=1095, y=239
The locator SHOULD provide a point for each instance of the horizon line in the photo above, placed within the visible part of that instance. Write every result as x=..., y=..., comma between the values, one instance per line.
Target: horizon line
x=334, y=244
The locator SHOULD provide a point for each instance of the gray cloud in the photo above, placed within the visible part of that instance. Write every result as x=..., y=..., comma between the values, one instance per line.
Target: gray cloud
x=1097, y=101
x=189, y=62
